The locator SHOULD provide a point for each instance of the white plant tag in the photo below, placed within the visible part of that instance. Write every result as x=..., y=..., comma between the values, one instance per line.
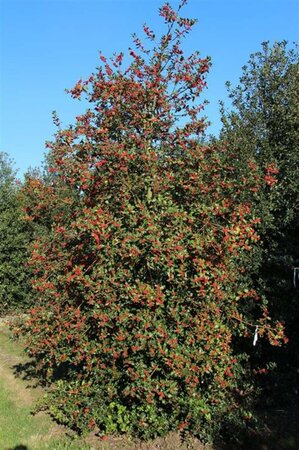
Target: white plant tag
x=255, y=337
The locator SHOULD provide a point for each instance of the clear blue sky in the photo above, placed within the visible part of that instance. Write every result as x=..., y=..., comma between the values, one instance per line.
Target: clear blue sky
x=47, y=45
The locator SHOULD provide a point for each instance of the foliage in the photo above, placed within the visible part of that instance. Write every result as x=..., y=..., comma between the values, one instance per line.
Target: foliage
x=140, y=287
x=264, y=124
x=14, y=241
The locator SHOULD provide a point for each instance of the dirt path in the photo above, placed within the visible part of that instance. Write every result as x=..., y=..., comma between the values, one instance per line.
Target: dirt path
x=20, y=395
x=8, y=361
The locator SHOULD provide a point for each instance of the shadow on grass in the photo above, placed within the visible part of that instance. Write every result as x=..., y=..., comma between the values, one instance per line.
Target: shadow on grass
x=19, y=447
x=27, y=372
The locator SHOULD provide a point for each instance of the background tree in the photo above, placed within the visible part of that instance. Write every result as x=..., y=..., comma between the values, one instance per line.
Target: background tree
x=15, y=237
x=263, y=123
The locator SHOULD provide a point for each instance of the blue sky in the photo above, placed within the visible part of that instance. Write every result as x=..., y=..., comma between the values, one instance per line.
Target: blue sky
x=47, y=45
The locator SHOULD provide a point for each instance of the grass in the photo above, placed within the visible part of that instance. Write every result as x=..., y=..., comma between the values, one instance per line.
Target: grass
x=19, y=429
x=17, y=426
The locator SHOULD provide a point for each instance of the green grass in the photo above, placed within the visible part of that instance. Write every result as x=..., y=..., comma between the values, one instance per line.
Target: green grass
x=17, y=425
x=19, y=428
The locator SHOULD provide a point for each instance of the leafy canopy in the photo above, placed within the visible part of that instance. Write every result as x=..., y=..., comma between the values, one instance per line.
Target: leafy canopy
x=14, y=242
